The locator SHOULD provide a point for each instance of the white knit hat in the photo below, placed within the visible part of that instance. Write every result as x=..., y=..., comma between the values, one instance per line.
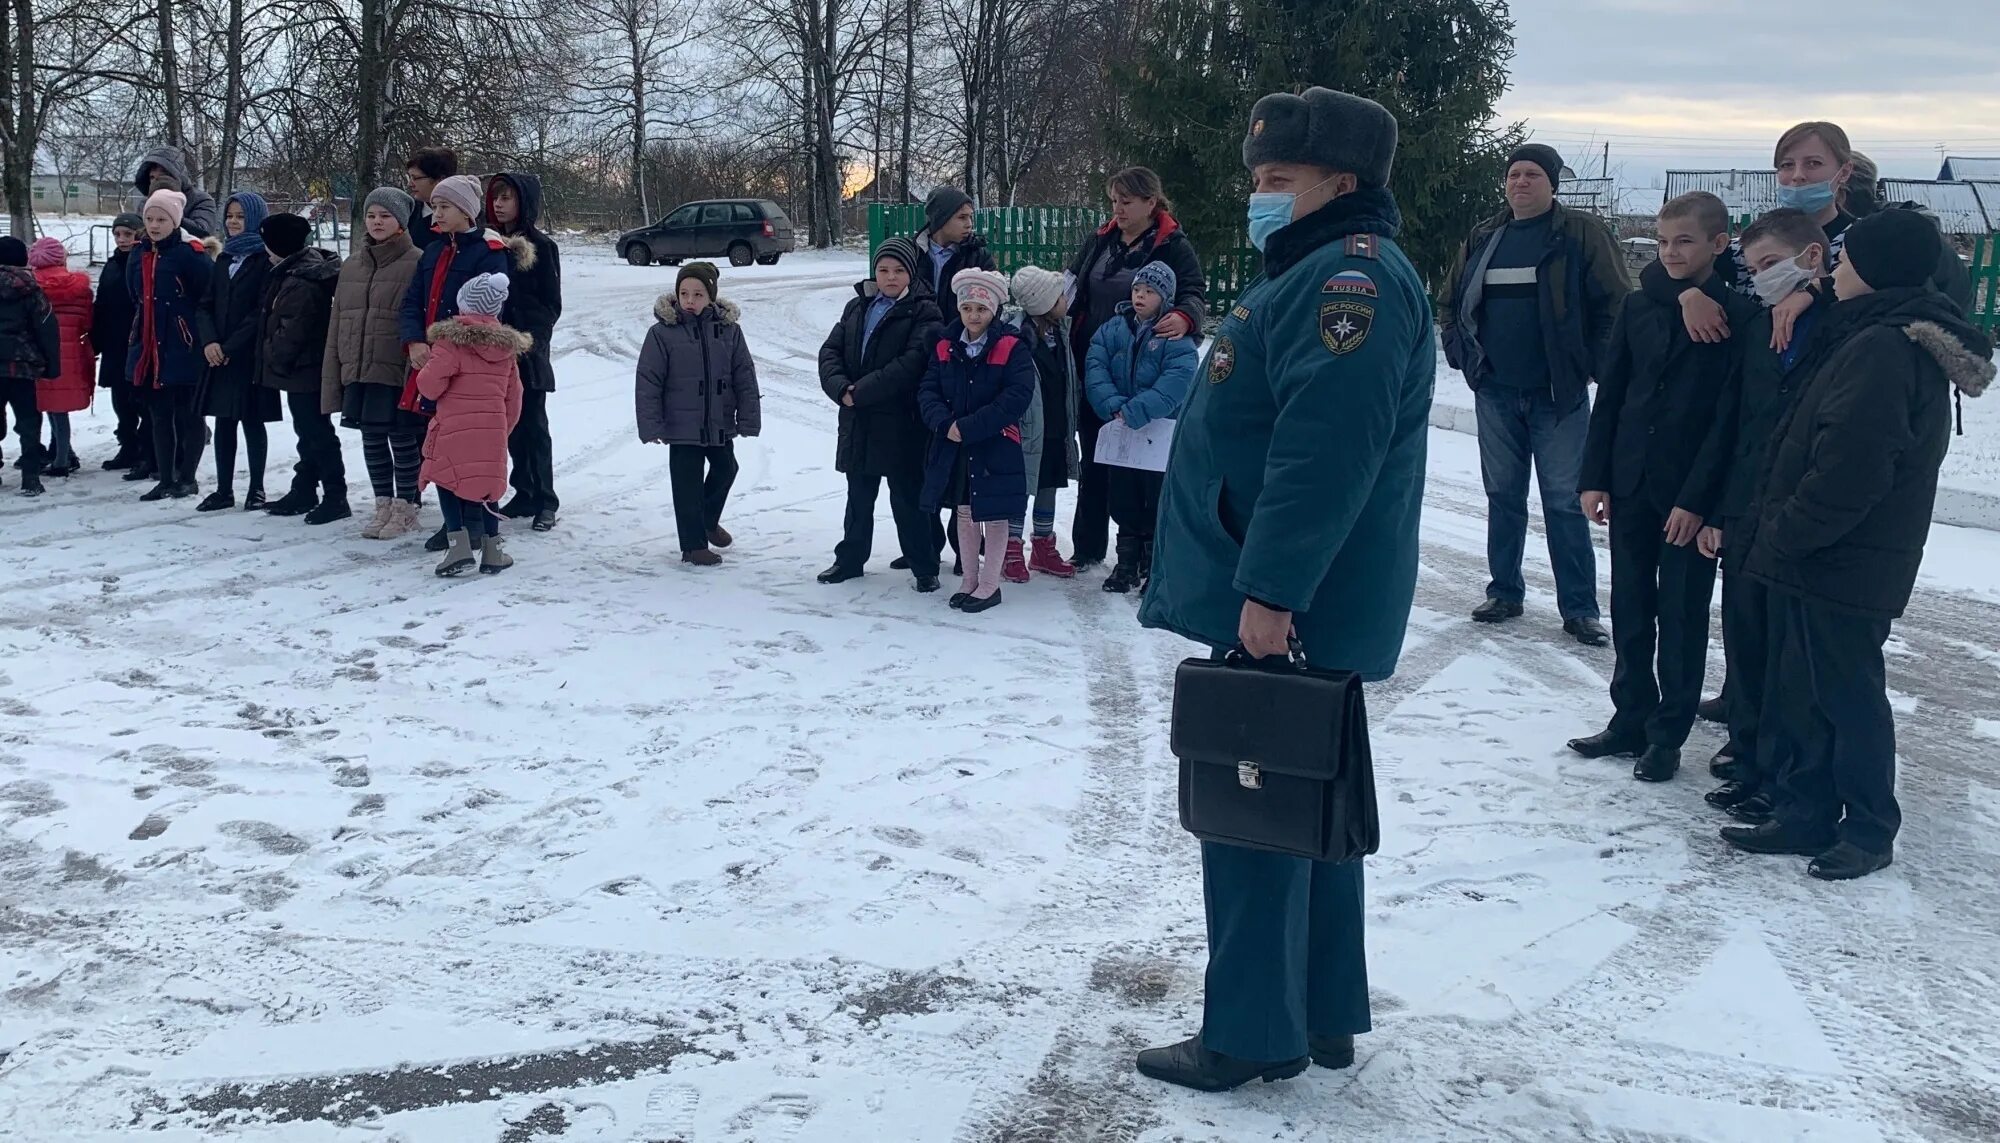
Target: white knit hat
x=1037, y=290
x=484, y=294
x=981, y=287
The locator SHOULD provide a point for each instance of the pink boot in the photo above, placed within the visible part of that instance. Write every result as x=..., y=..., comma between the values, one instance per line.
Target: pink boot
x=1047, y=560
x=1015, y=570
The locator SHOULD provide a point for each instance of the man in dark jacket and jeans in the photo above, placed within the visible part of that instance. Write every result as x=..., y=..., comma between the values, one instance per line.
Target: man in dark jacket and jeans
x=1526, y=314
x=534, y=303
x=1837, y=533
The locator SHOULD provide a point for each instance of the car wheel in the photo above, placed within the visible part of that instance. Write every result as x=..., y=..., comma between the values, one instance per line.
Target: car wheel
x=741, y=254
x=768, y=259
x=639, y=254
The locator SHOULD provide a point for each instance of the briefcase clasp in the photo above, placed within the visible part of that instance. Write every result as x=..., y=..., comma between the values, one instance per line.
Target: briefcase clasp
x=1249, y=776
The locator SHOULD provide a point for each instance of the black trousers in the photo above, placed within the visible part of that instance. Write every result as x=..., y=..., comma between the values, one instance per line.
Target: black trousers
x=1835, y=735
x=533, y=453
x=701, y=476
x=916, y=532
x=133, y=432
x=178, y=432
x=320, y=464
x=1659, y=601
x=1133, y=496
x=18, y=394
x=1090, y=527
x=256, y=440
x=1746, y=648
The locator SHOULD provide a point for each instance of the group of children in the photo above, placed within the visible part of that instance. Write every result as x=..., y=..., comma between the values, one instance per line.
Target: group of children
x=403, y=341
x=1802, y=451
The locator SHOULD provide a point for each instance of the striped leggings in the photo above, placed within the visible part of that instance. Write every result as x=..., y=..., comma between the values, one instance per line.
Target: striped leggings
x=393, y=460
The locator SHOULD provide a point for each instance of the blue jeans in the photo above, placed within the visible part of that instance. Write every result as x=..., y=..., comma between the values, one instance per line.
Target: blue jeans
x=1515, y=427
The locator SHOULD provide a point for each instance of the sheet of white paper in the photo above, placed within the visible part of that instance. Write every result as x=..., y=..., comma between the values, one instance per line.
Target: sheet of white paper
x=1136, y=448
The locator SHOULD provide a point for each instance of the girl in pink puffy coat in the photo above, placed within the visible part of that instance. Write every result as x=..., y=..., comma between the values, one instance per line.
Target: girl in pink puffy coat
x=471, y=385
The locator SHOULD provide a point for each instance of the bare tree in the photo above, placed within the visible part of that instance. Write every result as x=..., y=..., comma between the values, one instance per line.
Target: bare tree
x=633, y=82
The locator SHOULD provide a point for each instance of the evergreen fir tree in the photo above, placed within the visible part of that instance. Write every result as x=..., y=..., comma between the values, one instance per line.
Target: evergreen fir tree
x=1437, y=65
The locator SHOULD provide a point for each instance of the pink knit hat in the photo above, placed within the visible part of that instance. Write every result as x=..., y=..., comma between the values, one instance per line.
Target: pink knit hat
x=47, y=251
x=173, y=202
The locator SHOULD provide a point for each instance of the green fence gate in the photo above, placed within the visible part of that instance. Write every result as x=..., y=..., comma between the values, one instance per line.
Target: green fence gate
x=1049, y=237
x=1986, y=283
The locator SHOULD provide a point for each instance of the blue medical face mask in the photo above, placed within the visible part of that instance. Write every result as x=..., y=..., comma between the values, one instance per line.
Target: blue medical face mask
x=1271, y=211
x=1811, y=198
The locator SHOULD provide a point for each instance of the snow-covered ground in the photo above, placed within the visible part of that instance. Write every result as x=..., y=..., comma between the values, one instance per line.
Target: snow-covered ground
x=299, y=843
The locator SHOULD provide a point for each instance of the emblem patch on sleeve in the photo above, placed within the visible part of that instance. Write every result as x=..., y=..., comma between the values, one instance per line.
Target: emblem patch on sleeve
x=1350, y=282
x=1344, y=325
x=1221, y=361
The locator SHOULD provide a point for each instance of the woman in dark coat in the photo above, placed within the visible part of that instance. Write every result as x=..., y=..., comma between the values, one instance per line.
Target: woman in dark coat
x=870, y=366
x=227, y=323
x=696, y=393
x=1142, y=229
x=534, y=303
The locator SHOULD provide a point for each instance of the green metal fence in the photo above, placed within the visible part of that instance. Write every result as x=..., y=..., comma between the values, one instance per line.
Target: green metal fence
x=1049, y=237
x=1986, y=283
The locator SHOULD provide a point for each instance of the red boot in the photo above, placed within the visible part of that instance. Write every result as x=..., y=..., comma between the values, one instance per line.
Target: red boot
x=1049, y=561
x=1015, y=569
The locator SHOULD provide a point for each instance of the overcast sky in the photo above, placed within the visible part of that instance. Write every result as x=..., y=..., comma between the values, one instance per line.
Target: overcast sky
x=1712, y=83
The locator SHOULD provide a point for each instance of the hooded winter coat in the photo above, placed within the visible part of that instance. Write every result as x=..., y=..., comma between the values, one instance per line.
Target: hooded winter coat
x=447, y=265
x=30, y=340
x=1103, y=270
x=696, y=382
x=168, y=280
x=111, y=319
x=291, y=338
x=69, y=296
x=1132, y=371
x=1851, y=474
x=985, y=396
x=534, y=291
x=202, y=218
x=364, y=341
x=474, y=375
x=881, y=435
x=230, y=316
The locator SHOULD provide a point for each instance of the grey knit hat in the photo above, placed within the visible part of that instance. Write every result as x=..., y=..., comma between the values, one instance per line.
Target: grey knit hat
x=942, y=204
x=1323, y=128
x=1037, y=290
x=395, y=200
x=483, y=294
x=1159, y=278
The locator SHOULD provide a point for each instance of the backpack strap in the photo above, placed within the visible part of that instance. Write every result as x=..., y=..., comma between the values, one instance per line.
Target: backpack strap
x=1002, y=350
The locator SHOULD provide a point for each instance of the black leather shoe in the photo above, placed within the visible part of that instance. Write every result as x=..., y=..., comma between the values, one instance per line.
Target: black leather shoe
x=973, y=605
x=1122, y=580
x=927, y=584
x=1496, y=611
x=184, y=489
x=1713, y=710
x=1608, y=745
x=1754, y=810
x=1847, y=861
x=1190, y=1065
x=1334, y=1052
x=1776, y=837
x=1588, y=632
x=900, y=563
x=958, y=599
x=838, y=574
x=140, y=471
x=1725, y=765
x=159, y=491
x=254, y=501
x=329, y=511
x=1658, y=764
x=293, y=504
x=1729, y=795
x=217, y=501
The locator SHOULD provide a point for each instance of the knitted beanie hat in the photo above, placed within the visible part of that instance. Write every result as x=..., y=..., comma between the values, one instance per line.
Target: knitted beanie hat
x=1159, y=278
x=1037, y=290
x=905, y=251
x=128, y=221
x=941, y=204
x=461, y=191
x=13, y=251
x=47, y=251
x=703, y=272
x=1894, y=249
x=174, y=203
x=981, y=287
x=395, y=200
x=484, y=294
x=285, y=234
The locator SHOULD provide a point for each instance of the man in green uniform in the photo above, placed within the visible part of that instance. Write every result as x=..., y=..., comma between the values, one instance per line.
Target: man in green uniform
x=1291, y=505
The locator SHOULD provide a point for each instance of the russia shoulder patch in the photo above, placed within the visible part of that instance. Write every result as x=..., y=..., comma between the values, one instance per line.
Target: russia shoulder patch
x=1361, y=246
x=1350, y=282
x=1344, y=325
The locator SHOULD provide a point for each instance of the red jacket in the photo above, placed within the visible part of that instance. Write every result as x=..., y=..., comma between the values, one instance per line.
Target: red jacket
x=474, y=375
x=69, y=295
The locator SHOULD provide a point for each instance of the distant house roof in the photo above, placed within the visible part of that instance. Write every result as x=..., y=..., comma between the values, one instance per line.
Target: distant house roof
x=1962, y=168
x=1743, y=192
x=1956, y=205
x=1595, y=195
x=1988, y=194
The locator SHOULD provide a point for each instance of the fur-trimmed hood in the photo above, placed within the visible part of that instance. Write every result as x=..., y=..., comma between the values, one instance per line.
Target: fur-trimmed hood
x=668, y=310
x=477, y=332
x=519, y=249
x=1969, y=372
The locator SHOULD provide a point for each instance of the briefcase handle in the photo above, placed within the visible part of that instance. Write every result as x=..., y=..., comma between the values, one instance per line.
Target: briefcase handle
x=1295, y=657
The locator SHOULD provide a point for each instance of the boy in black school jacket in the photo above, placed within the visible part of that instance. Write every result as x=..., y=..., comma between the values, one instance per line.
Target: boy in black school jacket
x=1786, y=252
x=1650, y=472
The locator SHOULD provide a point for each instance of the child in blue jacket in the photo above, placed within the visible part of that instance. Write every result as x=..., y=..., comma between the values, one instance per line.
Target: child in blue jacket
x=1135, y=377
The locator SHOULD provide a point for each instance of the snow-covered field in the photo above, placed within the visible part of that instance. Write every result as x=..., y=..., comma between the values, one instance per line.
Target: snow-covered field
x=298, y=842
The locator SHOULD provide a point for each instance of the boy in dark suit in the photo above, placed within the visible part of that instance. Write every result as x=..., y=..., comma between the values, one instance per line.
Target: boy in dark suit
x=1787, y=253
x=1651, y=472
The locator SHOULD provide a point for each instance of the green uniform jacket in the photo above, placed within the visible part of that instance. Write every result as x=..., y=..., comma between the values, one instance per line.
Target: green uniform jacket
x=1297, y=472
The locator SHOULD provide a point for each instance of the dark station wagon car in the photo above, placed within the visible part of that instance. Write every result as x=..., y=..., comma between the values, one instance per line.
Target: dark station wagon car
x=744, y=230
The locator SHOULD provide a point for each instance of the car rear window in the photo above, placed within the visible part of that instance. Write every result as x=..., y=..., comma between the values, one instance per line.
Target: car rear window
x=743, y=213
x=775, y=213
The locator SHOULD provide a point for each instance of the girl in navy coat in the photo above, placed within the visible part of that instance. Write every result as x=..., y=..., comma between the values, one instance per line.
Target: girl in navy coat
x=979, y=383
x=168, y=278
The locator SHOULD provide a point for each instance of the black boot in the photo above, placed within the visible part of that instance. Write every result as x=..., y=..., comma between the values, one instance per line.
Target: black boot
x=1776, y=837
x=1754, y=810
x=1496, y=611
x=160, y=491
x=1658, y=764
x=1609, y=744
x=1729, y=795
x=1334, y=1052
x=927, y=584
x=1713, y=710
x=142, y=469
x=518, y=508
x=1588, y=632
x=439, y=541
x=31, y=484
x=1847, y=861
x=1193, y=1066
x=330, y=509
x=838, y=574
x=297, y=502
x=900, y=563
x=1125, y=573
x=124, y=458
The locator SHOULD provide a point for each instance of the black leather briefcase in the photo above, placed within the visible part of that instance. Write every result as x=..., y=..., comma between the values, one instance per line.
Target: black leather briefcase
x=1274, y=755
